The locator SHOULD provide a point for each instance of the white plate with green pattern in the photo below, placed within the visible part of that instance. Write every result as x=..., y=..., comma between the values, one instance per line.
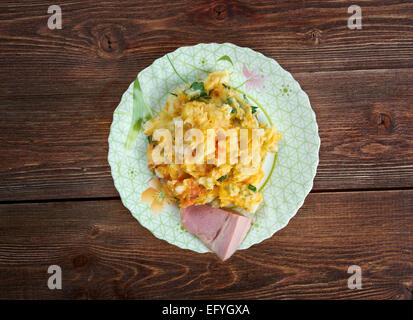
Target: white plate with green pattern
x=281, y=101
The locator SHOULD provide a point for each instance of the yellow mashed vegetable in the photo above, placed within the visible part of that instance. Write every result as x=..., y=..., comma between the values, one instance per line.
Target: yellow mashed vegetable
x=212, y=104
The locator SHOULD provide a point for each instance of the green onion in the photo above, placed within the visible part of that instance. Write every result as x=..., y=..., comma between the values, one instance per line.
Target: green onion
x=253, y=109
x=222, y=178
x=251, y=187
x=176, y=72
x=140, y=113
x=228, y=101
x=234, y=110
x=226, y=58
x=226, y=86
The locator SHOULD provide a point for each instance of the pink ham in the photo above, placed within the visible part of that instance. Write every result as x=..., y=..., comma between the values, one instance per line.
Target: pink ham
x=220, y=230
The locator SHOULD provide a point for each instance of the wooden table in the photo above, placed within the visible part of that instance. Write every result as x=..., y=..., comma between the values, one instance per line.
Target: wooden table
x=59, y=206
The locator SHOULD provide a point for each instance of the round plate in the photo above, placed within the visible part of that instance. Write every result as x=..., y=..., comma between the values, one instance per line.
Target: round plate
x=283, y=101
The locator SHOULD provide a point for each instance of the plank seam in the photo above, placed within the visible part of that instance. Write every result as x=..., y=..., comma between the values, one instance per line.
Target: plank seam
x=118, y=198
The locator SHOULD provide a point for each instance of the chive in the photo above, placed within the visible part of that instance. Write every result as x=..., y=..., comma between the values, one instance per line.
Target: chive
x=228, y=101
x=251, y=187
x=222, y=178
x=234, y=110
x=226, y=58
x=174, y=94
x=226, y=86
x=150, y=139
x=176, y=72
x=253, y=109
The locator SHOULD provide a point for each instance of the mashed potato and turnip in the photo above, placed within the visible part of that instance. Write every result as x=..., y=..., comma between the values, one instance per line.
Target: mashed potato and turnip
x=212, y=104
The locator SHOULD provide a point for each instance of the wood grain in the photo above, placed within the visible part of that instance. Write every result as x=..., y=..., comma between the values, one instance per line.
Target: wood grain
x=105, y=253
x=304, y=36
x=366, y=128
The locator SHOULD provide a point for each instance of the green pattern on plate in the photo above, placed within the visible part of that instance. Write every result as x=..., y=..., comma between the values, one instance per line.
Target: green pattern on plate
x=273, y=87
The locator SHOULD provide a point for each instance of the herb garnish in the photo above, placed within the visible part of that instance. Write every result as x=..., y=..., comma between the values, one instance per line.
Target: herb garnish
x=140, y=113
x=176, y=72
x=198, y=86
x=226, y=58
x=251, y=187
x=222, y=178
x=198, y=91
x=253, y=109
x=234, y=110
x=228, y=101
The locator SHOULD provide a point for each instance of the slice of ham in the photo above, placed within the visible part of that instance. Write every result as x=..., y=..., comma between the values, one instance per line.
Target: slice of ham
x=220, y=230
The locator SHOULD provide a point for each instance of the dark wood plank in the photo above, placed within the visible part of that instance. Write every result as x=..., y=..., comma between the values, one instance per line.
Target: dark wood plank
x=303, y=36
x=55, y=146
x=366, y=128
x=105, y=253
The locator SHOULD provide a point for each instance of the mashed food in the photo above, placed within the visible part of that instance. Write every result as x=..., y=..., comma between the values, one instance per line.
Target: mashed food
x=211, y=104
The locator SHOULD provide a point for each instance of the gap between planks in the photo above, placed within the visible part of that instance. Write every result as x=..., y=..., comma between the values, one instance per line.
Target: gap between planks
x=326, y=191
